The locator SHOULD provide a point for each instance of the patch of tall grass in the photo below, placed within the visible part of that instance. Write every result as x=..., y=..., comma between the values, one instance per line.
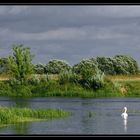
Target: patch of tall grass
x=69, y=85
x=16, y=115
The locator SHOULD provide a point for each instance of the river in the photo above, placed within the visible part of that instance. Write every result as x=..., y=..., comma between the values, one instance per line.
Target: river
x=89, y=116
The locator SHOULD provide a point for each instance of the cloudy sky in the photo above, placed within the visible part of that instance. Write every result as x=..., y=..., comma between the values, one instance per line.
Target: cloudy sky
x=71, y=33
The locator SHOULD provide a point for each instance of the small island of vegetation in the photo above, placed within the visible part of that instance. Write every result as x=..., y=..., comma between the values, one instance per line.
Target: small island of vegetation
x=116, y=76
x=18, y=115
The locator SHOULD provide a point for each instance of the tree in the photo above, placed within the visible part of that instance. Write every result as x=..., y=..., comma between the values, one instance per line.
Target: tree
x=91, y=76
x=124, y=64
x=3, y=65
x=20, y=64
x=39, y=68
x=106, y=65
x=55, y=66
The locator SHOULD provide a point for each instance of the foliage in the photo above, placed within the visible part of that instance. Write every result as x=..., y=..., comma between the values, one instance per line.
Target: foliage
x=3, y=65
x=106, y=65
x=68, y=77
x=16, y=115
x=5, y=88
x=56, y=66
x=125, y=65
x=39, y=68
x=91, y=76
x=86, y=67
x=93, y=81
x=20, y=65
x=119, y=64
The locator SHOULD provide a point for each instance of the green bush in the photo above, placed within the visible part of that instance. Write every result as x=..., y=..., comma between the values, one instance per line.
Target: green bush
x=68, y=77
x=34, y=80
x=125, y=65
x=21, y=90
x=93, y=81
x=39, y=68
x=86, y=65
x=5, y=88
x=91, y=75
x=3, y=65
x=56, y=66
x=106, y=65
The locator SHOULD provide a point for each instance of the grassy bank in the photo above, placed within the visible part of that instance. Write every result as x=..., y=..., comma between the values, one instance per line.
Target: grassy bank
x=16, y=115
x=114, y=86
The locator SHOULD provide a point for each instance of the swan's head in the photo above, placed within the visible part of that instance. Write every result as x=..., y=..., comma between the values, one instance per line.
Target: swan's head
x=125, y=108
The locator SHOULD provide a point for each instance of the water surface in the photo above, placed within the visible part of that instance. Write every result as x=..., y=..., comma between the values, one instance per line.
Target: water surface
x=89, y=116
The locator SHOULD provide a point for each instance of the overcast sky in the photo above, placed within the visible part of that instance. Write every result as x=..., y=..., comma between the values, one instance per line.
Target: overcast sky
x=71, y=33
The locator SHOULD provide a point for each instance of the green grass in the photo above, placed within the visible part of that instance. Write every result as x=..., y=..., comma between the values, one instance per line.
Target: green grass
x=52, y=88
x=132, y=87
x=16, y=115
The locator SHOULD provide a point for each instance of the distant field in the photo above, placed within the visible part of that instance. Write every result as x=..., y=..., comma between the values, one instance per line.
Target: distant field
x=124, y=77
x=4, y=77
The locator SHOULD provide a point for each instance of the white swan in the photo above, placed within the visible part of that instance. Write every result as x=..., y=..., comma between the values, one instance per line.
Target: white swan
x=124, y=115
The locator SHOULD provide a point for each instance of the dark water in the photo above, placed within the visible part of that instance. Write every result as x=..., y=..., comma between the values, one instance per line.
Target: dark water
x=90, y=116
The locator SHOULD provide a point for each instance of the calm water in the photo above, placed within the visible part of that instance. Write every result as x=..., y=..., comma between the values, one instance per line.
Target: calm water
x=105, y=116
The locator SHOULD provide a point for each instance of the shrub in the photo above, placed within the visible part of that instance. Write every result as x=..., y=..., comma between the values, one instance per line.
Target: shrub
x=56, y=66
x=94, y=82
x=91, y=75
x=39, y=68
x=20, y=63
x=34, y=80
x=86, y=65
x=68, y=77
x=3, y=65
x=125, y=65
x=106, y=65
x=22, y=90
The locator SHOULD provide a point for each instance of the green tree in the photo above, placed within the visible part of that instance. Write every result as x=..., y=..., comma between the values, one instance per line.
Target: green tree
x=55, y=66
x=91, y=76
x=20, y=64
x=124, y=64
x=106, y=65
x=3, y=65
x=39, y=68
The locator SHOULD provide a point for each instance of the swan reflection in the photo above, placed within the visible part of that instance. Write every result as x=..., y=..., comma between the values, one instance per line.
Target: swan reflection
x=125, y=124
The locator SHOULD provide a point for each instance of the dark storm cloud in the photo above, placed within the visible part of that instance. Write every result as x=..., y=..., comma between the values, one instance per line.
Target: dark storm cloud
x=71, y=32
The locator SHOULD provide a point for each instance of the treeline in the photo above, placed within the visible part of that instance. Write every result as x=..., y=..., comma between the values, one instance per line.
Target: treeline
x=119, y=64
x=88, y=75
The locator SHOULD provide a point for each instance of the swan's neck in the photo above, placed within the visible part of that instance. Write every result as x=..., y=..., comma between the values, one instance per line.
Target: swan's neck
x=125, y=110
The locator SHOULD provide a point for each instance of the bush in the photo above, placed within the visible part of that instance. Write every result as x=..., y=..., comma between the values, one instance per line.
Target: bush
x=68, y=77
x=22, y=90
x=39, y=68
x=125, y=65
x=94, y=82
x=86, y=67
x=56, y=66
x=5, y=88
x=91, y=75
x=106, y=65
x=34, y=80
x=3, y=65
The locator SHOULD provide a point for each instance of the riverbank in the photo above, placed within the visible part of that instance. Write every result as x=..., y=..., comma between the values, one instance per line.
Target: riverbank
x=114, y=86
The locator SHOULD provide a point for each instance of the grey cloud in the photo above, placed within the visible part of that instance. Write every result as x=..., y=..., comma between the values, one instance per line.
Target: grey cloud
x=71, y=32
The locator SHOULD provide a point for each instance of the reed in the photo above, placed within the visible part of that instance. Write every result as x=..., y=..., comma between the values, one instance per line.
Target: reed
x=16, y=115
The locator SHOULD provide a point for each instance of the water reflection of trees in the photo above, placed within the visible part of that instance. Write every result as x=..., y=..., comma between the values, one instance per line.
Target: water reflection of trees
x=20, y=102
x=21, y=128
x=87, y=119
